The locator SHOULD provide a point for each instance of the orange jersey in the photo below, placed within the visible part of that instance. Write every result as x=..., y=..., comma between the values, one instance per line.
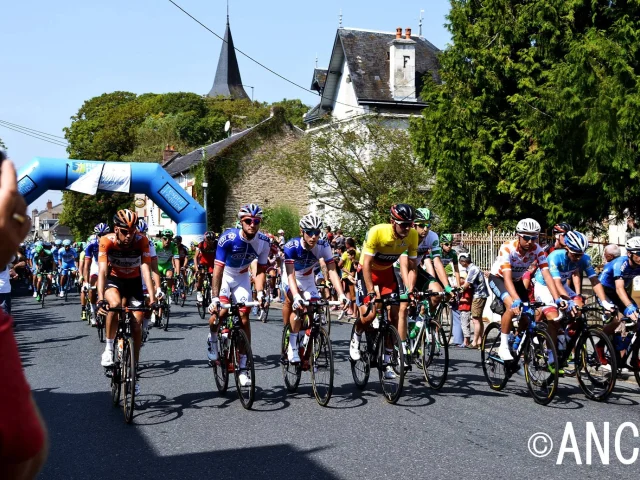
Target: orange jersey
x=124, y=261
x=510, y=258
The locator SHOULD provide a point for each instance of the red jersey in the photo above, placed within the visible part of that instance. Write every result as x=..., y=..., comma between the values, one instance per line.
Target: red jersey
x=124, y=261
x=207, y=253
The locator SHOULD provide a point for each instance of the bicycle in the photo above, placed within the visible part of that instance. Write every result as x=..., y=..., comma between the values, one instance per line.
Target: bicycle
x=123, y=371
x=629, y=343
x=426, y=343
x=316, y=354
x=233, y=344
x=179, y=293
x=206, y=295
x=326, y=313
x=44, y=286
x=381, y=348
x=164, y=309
x=67, y=286
x=594, y=367
x=534, y=344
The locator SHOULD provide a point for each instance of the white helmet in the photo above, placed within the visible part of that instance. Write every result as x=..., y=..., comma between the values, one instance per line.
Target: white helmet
x=281, y=232
x=633, y=244
x=576, y=242
x=528, y=225
x=310, y=222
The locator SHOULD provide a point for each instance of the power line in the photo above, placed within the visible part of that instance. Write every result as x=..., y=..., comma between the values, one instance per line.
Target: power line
x=39, y=137
x=33, y=130
x=256, y=61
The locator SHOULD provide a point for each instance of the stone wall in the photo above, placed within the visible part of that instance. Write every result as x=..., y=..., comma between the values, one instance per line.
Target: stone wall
x=258, y=183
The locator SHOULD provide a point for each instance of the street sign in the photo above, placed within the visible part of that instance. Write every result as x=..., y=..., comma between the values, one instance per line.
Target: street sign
x=164, y=215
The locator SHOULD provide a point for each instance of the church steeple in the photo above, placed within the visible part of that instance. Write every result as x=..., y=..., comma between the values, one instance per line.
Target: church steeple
x=227, y=82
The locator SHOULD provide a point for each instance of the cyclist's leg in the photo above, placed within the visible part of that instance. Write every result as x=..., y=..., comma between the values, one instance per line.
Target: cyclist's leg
x=614, y=322
x=113, y=298
x=400, y=313
x=543, y=294
x=242, y=292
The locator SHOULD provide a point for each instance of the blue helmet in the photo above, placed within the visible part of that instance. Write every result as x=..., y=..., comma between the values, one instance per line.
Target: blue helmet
x=576, y=242
x=66, y=243
x=101, y=229
x=142, y=225
x=58, y=242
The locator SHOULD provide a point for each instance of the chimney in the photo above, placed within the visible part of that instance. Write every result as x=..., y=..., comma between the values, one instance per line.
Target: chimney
x=402, y=67
x=169, y=152
x=34, y=214
x=49, y=205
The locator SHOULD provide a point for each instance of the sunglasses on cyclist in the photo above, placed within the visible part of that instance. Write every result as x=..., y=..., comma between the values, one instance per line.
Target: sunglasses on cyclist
x=576, y=254
x=312, y=233
x=446, y=244
x=403, y=224
x=124, y=231
x=166, y=238
x=251, y=221
x=423, y=225
x=529, y=238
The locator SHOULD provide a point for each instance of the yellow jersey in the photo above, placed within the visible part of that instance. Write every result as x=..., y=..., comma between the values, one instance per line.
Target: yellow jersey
x=385, y=248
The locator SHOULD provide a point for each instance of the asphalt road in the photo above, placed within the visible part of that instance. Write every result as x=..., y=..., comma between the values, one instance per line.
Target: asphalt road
x=184, y=429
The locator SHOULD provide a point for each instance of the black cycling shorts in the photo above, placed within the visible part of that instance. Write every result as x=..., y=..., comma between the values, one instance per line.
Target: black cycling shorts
x=497, y=286
x=129, y=288
x=614, y=298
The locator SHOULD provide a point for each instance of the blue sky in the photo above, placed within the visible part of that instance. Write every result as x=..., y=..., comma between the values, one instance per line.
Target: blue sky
x=56, y=55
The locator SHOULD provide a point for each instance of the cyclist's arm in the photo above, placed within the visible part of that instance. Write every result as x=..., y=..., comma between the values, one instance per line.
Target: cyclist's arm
x=442, y=274
x=218, y=270
x=323, y=269
x=457, y=272
x=560, y=287
x=576, y=278
x=335, y=279
x=146, y=275
x=408, y=272
x=550, y=283
x=428, y=266
x=622, y=292
x=155, y=273
x=291, y=278
x=366, y=273
x=259, y=278
x=102, y=279
x=598, y=289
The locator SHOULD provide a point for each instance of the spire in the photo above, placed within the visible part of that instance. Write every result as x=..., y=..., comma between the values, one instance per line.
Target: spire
x=227, y=82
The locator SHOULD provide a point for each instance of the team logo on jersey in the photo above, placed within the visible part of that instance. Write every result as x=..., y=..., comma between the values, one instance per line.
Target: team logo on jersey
x=229, y=237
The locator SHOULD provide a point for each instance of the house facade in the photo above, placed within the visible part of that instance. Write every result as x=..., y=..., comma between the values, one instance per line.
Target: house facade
x=369, y=73
x=45, y=224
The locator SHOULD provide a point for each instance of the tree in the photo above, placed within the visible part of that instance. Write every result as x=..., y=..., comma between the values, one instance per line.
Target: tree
x=82, y=212
x=283, y=217
x=360, y=170
x=2, y=145
x=294, y=111
x=535, y=115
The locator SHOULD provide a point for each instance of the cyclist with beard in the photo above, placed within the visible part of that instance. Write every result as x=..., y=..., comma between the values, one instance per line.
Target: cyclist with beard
x=505, y=279
x=237, y=248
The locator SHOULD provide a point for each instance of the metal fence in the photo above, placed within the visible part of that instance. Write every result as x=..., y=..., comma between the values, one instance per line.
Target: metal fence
x=483, y=246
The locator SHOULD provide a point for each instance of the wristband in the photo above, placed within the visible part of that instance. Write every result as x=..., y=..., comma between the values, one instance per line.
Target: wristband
x=448, y=289
x=517, y=303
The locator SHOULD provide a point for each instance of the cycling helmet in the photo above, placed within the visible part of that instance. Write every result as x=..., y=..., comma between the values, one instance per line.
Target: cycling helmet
x=250, y=210
x=576, y=242
x=39, y=243
x=101, y=229
x=446, y=238
x=39, y=248
x=423, y=214
x=46, y=244
x=528, y=225
x=92, y=238
x=125, y=219
x=209, y=236
x=402, y=212
x=280, y=232
x=58, y=242
x=633, y=245
x=167, y=232
x=464, y=256
x=178, y=239
x=562, y=227
x=142, y=225
x=310, y=222
x=66, y=243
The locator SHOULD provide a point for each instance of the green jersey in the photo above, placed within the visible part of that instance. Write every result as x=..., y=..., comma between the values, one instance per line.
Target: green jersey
x=448, y=259
x=166, y=255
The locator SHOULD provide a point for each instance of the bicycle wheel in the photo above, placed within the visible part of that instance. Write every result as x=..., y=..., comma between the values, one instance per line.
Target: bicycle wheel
x=100, y=322
x=445, y=319
x=290, y=371
x=635, y=359
x=435, y=355
x=128, y=380
x=166, y=313
x=360, y=369
x=391, y=364
x=246, y=392
x=327, y=319
x=201, y=309
x=220, y=367
x=595, y=364
x=542, y=383
x=264, y=313
x=116, y=380
x=493, y=366
x=322, y=367
x=66, y=290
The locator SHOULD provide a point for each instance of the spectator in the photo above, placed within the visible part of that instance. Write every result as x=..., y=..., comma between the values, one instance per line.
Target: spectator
x=475, y=283
x=464, y=307
x=23, y=443
x=5, y=289
x=346, y=265
x=328, y=234
x=339, y=238
x=611, y=251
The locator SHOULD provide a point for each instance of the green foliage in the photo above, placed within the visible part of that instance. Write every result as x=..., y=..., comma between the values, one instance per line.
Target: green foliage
x=294, y=111
x=81, y=212
x=361, y=170
x=2, y=145
x=283, y=217
x=536, y=114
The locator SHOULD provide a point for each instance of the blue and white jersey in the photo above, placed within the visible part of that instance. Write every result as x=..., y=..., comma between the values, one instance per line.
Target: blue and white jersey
x=621, y=267
x=560, y=266
x=236, y=253
x=54, y=252
x=304, y=261
x=67, y=257
x=29, y=253
x=91, y=251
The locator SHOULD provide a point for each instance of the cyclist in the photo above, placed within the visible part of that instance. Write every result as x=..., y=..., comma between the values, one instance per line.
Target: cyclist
x=183, y=259
x=301, y=256
x=123, y=259
x=57, y=245
x=67, y=261
x=449, y=259
x=559, y=232
x=237, y=248
x=44, y=265
x=168, y=259
x=34, y=268
x=617, y=280
x=505, y=279
x=383, y=246
x=90, y=269
x=155, y=275
x=204, y=260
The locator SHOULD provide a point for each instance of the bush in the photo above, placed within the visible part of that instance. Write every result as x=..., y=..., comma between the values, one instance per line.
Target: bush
x=282, y=217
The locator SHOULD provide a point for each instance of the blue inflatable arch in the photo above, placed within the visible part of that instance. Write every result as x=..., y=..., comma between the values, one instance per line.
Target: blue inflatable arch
x=90, y=176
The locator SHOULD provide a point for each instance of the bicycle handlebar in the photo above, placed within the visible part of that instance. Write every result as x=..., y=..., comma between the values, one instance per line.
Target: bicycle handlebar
x=227, y=306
